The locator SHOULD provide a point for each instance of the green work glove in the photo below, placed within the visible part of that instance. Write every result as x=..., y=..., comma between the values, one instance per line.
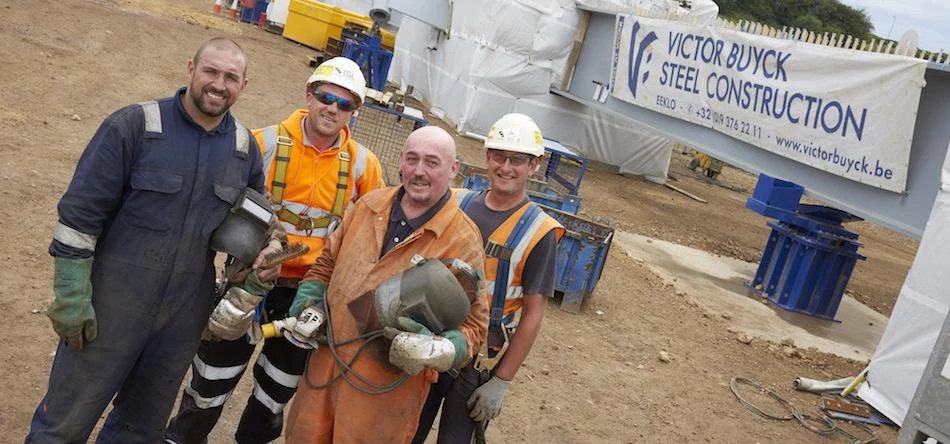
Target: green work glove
x=410, y=325
x=71, y=312
x=461, y=345
x=254, y=286
x=309, y=293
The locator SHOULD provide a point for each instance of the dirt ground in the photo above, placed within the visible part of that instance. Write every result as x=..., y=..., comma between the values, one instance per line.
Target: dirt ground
x=592, y=377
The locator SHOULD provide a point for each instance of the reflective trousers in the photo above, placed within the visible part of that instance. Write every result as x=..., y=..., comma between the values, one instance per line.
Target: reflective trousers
x=216, y=371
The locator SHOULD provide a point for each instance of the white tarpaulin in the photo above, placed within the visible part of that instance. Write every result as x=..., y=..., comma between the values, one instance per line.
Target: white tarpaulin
x=901, y=356
x=847, y=112
x=503, y=56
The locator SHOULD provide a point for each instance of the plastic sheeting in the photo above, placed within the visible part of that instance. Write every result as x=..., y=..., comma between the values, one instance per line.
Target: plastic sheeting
x=503, y=56
x=898, y=363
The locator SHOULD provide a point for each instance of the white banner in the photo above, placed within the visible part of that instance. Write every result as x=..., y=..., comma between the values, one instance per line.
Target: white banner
x=846, y=112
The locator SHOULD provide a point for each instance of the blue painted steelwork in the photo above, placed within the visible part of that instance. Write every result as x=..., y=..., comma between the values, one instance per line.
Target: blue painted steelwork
x=809, y=257
x=906, y=213
x=369, y=54
x=565, y=169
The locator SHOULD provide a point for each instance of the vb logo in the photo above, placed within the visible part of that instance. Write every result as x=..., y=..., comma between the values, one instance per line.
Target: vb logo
x=635, y=61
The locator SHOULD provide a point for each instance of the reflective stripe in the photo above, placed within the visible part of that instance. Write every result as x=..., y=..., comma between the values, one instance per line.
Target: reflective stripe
x=207, y=403
x=262, y=396
x=269, y=135
x=276, y=374
x=518, y=252
x=241, y=136
x=213, y=373
x=70, y=237
x=358, y=167
x=514, y=291
x=153, y=117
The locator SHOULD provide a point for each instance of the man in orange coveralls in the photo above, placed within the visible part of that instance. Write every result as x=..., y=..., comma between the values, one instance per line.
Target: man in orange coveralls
x=377, y=399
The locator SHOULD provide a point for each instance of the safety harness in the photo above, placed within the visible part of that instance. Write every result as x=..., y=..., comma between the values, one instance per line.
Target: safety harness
x=497, y=343
x=303, y=223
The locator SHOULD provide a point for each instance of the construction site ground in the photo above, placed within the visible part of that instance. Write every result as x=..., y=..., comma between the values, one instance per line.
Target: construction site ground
x=645, y=361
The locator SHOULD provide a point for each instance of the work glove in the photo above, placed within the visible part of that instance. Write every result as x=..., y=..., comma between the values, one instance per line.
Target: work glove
x=234, y=314
x=415, y=348
x=310, y=293
x=71, y=312
x=486, y=402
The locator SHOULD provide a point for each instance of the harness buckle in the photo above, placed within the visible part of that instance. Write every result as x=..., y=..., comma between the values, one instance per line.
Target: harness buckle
x=284, y=140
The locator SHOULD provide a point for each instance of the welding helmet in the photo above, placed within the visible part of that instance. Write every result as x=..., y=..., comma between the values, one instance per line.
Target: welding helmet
x=246, y=228
x=437, y=293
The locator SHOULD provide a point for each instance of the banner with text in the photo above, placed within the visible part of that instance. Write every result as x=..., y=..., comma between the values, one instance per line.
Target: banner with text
x=847, y=112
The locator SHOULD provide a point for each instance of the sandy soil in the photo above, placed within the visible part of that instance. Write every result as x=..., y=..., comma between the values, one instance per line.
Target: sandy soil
x=593, y=377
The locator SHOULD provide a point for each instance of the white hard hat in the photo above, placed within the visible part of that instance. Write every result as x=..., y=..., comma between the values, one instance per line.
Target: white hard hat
x=518, y=133
x=342, y=72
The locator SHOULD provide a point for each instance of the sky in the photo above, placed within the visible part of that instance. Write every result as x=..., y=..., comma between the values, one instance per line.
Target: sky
x=930, y=18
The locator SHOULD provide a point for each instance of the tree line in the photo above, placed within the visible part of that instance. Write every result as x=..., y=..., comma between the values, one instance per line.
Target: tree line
x=818, y=16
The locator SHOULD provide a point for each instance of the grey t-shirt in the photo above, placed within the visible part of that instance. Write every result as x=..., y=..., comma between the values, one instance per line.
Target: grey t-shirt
x=540, y=268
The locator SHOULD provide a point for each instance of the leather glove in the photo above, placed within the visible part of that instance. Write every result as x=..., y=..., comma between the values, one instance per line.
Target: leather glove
x=415, y=348
x=487, y=399
x=233, y=315
x=71, y=312
x=254, y=285
x=310, y=293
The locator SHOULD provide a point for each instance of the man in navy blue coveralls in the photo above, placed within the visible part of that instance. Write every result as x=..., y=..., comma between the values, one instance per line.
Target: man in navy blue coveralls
x=133, y=270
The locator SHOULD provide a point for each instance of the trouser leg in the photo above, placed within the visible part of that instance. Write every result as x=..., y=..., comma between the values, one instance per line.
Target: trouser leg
x=455, y=425
x=276, y=375
x=143, y=403
x=431, y=408
x=215, y=372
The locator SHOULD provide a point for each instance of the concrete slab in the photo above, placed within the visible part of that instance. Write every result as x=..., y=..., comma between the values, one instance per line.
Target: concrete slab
x=718, y=284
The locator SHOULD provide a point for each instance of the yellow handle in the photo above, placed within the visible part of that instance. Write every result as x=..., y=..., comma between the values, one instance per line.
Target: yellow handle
x=270, y=330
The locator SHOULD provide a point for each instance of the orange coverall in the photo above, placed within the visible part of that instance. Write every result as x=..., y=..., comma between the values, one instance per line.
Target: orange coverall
x=353, y=268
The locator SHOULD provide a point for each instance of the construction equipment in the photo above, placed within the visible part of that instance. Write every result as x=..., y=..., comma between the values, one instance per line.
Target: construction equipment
x=708, y=165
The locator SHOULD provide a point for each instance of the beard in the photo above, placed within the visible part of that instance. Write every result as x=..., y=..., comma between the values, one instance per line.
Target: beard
x=203, y=105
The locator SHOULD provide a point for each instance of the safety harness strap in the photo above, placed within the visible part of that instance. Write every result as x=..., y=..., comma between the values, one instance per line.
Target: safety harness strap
x=341, y=183
x=284, y=142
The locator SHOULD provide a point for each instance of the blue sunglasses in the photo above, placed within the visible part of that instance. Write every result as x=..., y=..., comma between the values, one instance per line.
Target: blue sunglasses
x=326, y=98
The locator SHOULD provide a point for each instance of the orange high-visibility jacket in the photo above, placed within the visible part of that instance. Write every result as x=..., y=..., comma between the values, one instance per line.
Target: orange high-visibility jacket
x=340, y=412
x=537, y=229
x=312, y=178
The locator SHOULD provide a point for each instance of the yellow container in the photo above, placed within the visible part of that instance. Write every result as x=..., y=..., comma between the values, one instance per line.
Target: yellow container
x=312, y=23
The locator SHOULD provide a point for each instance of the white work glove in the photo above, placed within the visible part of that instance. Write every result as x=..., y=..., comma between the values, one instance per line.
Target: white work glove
x=487, y=399
x=233, y=315
x=413, y=352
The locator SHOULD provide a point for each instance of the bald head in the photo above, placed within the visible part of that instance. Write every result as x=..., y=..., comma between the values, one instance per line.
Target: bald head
x=223, y=44
x=427, y=164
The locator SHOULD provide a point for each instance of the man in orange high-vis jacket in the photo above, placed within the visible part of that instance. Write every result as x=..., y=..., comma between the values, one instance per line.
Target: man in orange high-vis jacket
x=313, y=171
x=520, y=267
x=355, y=389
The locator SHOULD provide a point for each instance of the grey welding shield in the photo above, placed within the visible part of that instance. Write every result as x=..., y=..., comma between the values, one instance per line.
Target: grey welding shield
x=435, y=293
x=246, y=229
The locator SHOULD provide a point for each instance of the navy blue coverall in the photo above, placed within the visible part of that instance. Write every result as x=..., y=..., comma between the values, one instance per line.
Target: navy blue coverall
x=153, y=199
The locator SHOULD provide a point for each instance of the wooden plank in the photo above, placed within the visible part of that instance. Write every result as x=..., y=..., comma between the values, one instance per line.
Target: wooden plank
x=684, y=192
x=575, y=50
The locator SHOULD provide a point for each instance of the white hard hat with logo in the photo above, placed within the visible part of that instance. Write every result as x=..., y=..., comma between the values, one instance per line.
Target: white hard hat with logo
x=518, y=133
x=341, y=72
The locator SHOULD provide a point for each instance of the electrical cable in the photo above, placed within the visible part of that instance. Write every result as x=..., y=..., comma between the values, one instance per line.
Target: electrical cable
x=821, y=425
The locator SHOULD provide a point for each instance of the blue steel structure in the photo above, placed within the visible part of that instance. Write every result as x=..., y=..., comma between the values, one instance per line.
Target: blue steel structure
x=809, y=256
x=368, y=53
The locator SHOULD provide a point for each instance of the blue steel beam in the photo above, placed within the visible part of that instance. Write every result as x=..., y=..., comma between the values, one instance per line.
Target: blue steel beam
x=905, y=213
